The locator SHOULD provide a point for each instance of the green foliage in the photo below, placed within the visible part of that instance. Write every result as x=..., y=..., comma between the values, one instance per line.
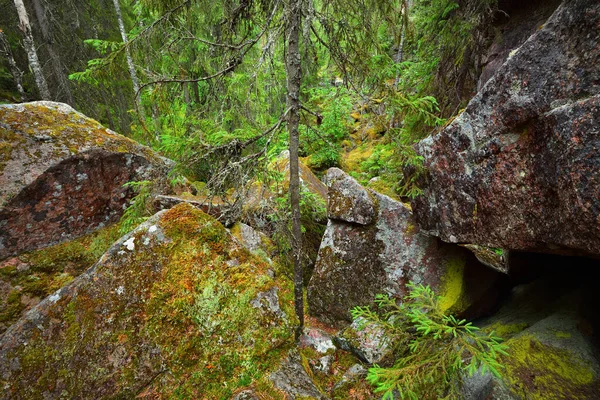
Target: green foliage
x=139, y=207
x=322, y=141
x=434, y=351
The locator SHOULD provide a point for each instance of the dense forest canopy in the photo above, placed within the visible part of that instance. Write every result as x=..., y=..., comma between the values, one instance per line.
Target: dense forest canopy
x=210, y=72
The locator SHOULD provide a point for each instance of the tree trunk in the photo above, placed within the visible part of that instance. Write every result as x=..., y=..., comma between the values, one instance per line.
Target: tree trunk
x=59, y=71
x=130, y=65
x=294, y=79
x=405, y=5
x=34, y=62
x=14, y=70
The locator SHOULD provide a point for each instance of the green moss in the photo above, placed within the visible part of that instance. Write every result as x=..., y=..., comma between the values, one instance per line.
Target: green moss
x=451, y=288
x=562, y=335
x=51, y=268
x=352, y=160
x=12, y=307
x=213, y=335
x=506, y=330
x=189, y=297
x=540, y=371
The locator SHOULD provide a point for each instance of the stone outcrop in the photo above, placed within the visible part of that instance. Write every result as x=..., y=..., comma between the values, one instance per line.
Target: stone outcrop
x=357, y=262
x=27, y=279
x=518, y=169
x=348, y=201
x=292, y=379
x=62, y=175
x=307, y=178
x=172, y=307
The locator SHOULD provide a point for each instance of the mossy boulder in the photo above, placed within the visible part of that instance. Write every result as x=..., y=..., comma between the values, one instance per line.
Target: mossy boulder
x=307, y=178
x=62, y=175
x=357, y=262
x=175, y=309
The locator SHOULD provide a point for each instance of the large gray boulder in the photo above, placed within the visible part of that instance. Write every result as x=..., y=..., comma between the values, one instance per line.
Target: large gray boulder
x=357, y=262
x=62, y=175
x=518, y=169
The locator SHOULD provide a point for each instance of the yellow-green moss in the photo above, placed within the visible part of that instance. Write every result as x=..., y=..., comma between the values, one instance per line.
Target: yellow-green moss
x=562, y=335
x=352, y=160
x=541, y=372
x=506, y=330
x=451, y=288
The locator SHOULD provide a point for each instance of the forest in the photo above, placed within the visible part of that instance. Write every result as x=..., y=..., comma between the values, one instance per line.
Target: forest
x=337, y=199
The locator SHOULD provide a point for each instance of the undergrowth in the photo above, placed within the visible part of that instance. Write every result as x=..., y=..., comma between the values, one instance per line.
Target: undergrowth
x=434, y=352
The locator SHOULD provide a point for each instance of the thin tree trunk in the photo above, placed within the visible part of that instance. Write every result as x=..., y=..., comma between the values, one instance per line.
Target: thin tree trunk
x=294, y=79
x=14, y=69
x=55, y=61
x=34, y=62
x=130, y=65
x=400, y=55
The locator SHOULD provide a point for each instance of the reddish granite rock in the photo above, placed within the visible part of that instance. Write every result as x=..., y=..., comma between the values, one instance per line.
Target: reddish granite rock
x=519, y=168
x=62, y=175
x=357, y=262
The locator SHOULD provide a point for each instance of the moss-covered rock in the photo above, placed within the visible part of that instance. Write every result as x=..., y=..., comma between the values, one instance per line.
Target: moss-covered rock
x=35, y=275
x=549, y=326
x=172, y=310
x=62, y=175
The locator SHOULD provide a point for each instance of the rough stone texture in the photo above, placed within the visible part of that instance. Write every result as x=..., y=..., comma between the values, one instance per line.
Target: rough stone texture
x=367, y=342
x=493, y=258
x=165, y=202
x=357, y=262
x=518, y=169
x=347, y=200
x=353, y=374
x=35, y=275
x=293, y=380
x=516, y=21
x=252, y=239
x=62, y=175
x=318, y=340
x=246, y=395
x=307, y=178
x=165, y=310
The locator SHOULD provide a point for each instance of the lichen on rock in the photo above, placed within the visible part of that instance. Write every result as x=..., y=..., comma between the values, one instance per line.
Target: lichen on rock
x=64, y=174
x=172, y=318
x=357, y=262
